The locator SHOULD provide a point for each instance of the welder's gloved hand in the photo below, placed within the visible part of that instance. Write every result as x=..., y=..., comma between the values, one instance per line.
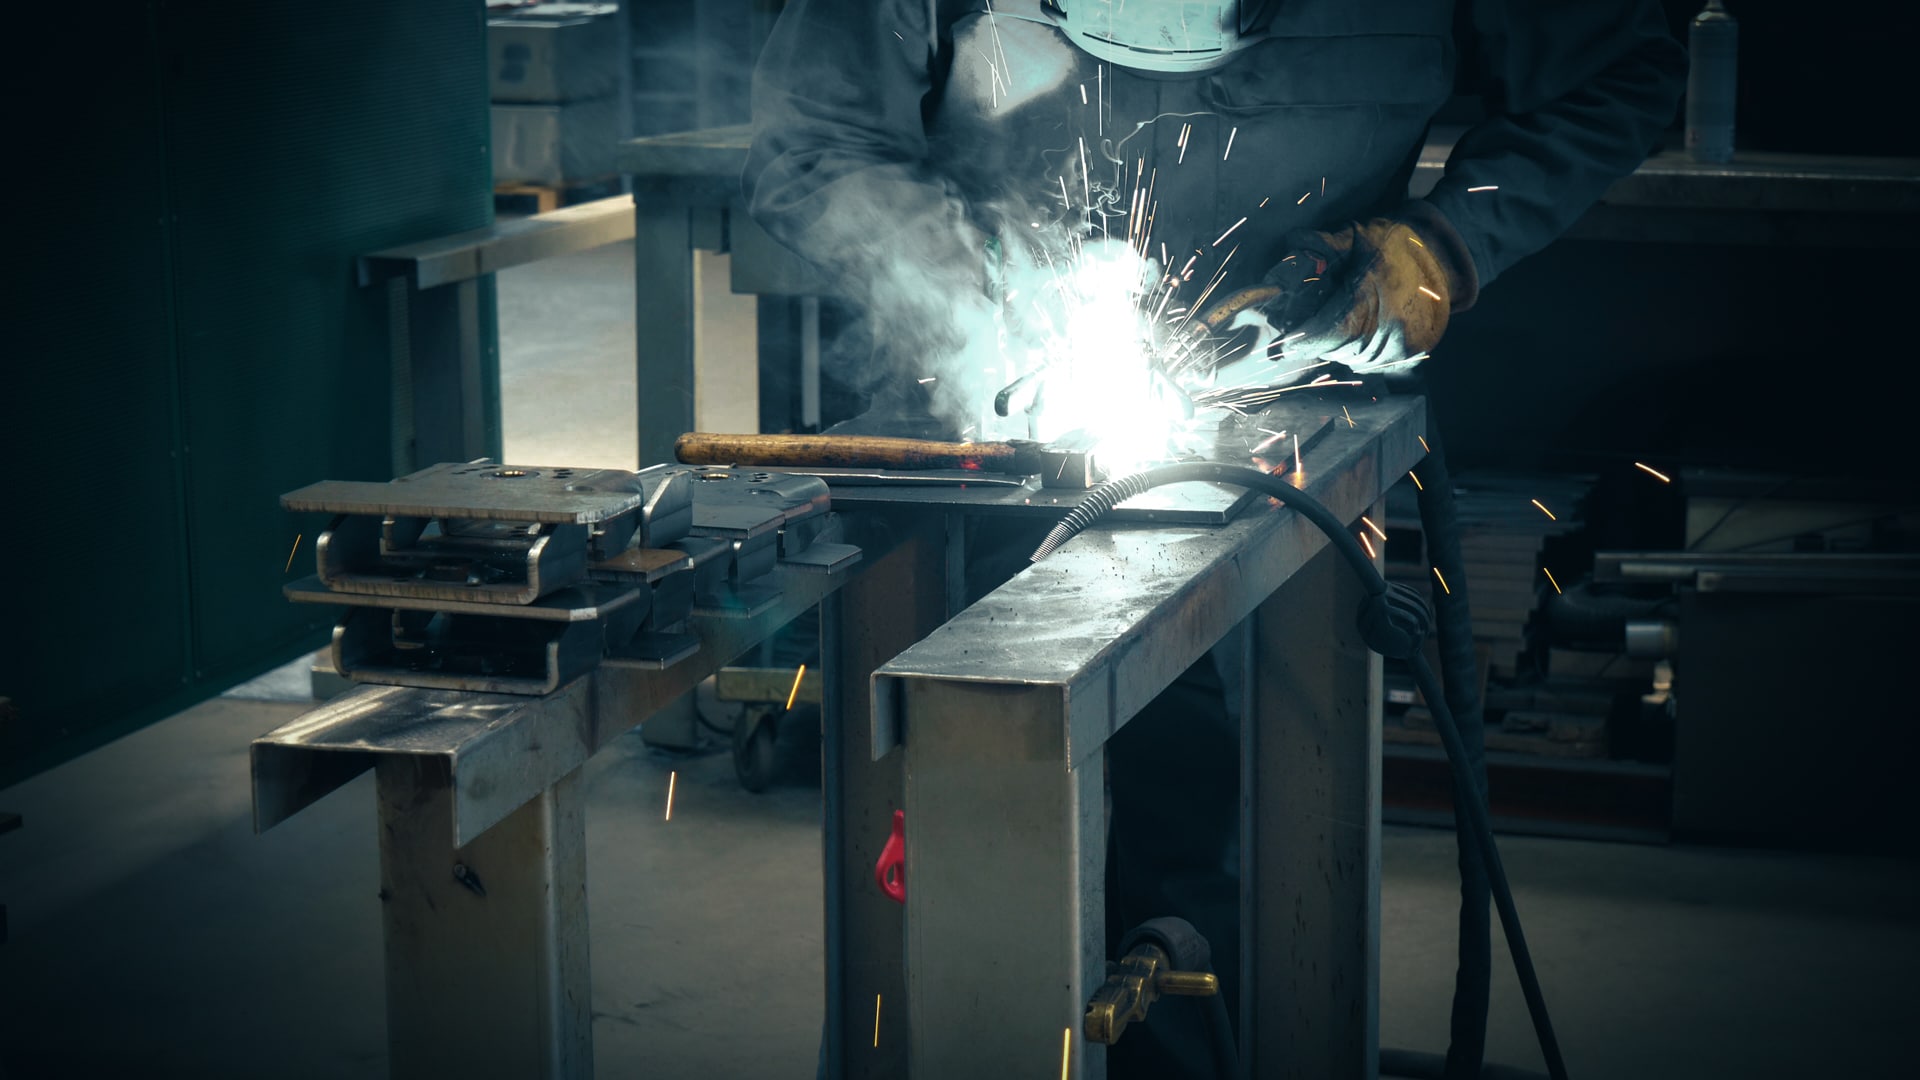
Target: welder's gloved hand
x=1373, y=293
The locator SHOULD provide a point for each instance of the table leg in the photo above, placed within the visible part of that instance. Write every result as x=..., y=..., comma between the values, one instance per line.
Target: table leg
x=903, y=595
x=1006, y=901
x=1310, y=792
x=486, y=945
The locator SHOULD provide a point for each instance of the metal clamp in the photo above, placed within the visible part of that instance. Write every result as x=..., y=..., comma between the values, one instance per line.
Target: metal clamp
x=1133, y=985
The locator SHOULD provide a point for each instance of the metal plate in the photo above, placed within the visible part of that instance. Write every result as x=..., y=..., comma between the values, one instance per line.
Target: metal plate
x=578, y=604
x=483, y=492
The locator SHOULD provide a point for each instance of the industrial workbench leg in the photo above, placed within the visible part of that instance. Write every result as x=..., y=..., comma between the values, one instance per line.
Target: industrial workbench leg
x=487, y=944
x=663, y=279
x=904, y=595
x=1006, y=902
x=1310, y=793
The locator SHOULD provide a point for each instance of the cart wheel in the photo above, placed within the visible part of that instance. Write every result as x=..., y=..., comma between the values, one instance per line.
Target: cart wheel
x=755, y=757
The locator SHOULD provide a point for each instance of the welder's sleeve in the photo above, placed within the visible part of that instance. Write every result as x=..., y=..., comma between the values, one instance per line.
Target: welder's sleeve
x=1577, y=94
x=837, y=170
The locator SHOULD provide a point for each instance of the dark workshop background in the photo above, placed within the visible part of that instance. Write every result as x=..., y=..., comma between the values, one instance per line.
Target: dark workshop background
x=194, y=179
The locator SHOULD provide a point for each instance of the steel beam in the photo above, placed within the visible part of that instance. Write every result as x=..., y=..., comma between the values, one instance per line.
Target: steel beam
x=1005, y=712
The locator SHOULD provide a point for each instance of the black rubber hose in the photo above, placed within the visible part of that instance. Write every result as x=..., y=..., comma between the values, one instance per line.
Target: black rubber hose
x=1391, y=630
x=1188, y=950
x=1453, y=621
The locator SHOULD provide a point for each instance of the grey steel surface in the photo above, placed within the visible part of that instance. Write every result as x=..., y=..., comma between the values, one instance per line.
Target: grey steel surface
x=503, y=245
x=1004, y=713
x=500, y=750
x=1114, y=615
x=482, y=492
x=582, y=603
x=552, y=53
x=912, y=582
x=556, y=144
x=487, y=962
x=663, y=245
x=1310, y=840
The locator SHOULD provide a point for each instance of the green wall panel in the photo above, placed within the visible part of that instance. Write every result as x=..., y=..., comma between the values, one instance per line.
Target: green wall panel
x=197, y=344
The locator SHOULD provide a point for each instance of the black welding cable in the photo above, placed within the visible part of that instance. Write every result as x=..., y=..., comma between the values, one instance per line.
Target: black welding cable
x=1453, y=624
x=1386, y=616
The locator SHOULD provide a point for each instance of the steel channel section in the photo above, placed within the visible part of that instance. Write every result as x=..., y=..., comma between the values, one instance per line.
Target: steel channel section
x=1004, y=713
x=486, y=942
x=1310, y=831
x=908, y=587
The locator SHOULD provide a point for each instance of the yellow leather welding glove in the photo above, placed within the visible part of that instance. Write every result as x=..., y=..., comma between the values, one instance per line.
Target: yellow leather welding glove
x=1373, y=293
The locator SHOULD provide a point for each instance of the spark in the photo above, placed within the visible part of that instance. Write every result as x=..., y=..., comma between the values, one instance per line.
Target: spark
x=1296, y=455
x=1544, y=510
x=1275, y=436
x=1083, y=101
x=1376, y=530
x=1368, y=544
x=1064, y=200
x=1443, y=580
x=1485, y=187
x=1302, y=199
x=1085, y=178
x=795, y=692
x=1429, y=293
x=290, y=554
x=671, y=777
x=1550, y=581
x=1348, y=415
x=1416, y=240
x=876, y=1021
x=896, y=33
x=1229, y=231
x=1642, y=466
x=1416, y=482
x=1264, y=202
x=1066, y=1051
x=1229, y=149
x=928, y=379
x=1184, y=130
x=1189, y=265
x=1423, y=443
x=1163, y=253
x=1323, y=185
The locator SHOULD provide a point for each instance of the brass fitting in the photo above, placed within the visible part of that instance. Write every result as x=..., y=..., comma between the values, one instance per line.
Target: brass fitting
x=1133, y=985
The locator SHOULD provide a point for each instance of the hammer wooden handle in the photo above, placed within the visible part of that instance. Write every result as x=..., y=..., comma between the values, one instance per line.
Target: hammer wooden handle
x=856, y=452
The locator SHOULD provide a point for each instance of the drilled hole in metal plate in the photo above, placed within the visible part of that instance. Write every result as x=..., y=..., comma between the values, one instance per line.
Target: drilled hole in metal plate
x=511, y=474
x=715, y=476
x=760, y=477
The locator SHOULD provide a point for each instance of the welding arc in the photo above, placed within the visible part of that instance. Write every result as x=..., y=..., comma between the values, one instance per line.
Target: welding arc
x=1390, y=631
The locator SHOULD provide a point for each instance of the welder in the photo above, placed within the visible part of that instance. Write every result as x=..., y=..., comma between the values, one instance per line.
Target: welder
x=897, y=143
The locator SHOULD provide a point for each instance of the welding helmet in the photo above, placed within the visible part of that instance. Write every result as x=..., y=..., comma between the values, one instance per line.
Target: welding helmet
x=1173, y=37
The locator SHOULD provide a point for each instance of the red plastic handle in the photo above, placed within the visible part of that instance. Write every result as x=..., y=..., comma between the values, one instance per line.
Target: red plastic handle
x=891, y=871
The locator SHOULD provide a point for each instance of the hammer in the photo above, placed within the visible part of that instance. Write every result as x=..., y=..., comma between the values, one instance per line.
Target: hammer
x=1017, y=457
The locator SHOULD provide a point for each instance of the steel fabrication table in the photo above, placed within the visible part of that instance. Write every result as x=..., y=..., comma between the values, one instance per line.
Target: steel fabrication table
x=987, y=724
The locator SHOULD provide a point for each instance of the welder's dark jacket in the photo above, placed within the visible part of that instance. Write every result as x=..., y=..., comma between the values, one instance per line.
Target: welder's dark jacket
x=882, y=127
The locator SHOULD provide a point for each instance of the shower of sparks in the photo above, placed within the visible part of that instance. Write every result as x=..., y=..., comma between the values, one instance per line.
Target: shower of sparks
x=1543, y=509
x=1416, y=482
x=1229, y=231
x=1423, y=443
x=671, y=777
x=296, y=548
x=1371, y=527
x=876, y=1021
x=1485, y=187
x=1641, y=465
x=1443, y=581
x=1368, y=544
x=1349, y=416
x=1302, y=199
x=1550, y=581
x=1066, y=1051
x=1429, y=293
x=795, y=692
x=1229, y=149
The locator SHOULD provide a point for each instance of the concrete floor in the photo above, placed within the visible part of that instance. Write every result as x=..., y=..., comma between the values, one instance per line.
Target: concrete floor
x=153, y=934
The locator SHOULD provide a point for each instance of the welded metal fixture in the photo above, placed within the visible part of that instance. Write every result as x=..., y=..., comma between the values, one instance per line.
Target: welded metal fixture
x=517, y=579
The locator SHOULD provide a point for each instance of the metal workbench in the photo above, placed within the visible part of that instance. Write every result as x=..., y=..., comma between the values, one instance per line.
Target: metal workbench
x=987, y=724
